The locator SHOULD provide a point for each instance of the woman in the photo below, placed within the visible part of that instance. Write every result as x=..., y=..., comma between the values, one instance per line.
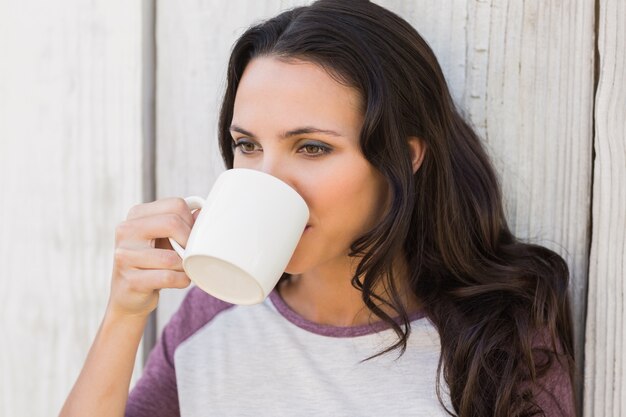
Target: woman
x=407, y=295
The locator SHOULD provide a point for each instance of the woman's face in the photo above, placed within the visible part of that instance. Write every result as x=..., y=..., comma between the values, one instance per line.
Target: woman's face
x=295, y=122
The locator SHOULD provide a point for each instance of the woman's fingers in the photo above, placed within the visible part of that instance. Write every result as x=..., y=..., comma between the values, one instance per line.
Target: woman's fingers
x=139, y=232
x=173, y=205
x=164, y=243
x=144, y=262
x=148, y=258
x=135, y=292
x=143, y=280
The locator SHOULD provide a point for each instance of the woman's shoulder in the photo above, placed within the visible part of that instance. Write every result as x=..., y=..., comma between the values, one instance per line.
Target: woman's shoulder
x=197, y=309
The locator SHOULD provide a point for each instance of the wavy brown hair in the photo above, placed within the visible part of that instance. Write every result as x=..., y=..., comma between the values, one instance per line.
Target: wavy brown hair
x=489, y=295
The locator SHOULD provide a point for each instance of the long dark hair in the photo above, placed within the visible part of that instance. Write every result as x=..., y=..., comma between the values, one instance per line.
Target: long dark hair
x=489, y=295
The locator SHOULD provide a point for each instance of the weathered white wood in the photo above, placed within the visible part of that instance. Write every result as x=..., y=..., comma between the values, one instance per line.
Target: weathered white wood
x=522, y=73
x=605, y=360
x=70, y=168
x=534, y=111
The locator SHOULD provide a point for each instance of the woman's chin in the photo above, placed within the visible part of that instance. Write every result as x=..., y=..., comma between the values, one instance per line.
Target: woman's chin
x=293, y=270
x=296, y=267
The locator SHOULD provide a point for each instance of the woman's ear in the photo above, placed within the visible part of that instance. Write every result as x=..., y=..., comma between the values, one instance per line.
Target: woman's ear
x=417, y=147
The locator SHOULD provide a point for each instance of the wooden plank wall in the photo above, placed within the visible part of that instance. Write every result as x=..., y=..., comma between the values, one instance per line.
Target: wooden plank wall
x=71, y=151
x=605, y=353
x=75, y=154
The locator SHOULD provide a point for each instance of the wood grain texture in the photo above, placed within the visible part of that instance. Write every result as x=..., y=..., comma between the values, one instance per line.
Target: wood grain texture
x=70, y=168
x=605, y=353
x=531, y=98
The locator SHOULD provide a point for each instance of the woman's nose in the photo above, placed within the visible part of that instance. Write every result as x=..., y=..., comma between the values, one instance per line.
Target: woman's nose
x=277, y=167
x=269, y=162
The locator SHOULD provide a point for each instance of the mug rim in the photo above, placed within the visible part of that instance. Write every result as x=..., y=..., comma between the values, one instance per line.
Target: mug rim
x=233, y=300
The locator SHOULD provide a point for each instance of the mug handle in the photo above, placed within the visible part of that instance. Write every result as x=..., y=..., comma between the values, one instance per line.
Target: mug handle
x=194, y=202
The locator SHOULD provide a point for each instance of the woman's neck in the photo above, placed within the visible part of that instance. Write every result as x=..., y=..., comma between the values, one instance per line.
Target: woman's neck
x=326, y=296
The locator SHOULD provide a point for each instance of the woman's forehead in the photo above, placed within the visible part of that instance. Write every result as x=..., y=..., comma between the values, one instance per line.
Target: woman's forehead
x=300, y=92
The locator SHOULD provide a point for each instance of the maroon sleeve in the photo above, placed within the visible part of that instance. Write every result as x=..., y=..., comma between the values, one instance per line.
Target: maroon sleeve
x=155, y=394
x=553, y=391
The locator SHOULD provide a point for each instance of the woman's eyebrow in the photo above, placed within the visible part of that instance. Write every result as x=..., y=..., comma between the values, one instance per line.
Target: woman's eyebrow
x=309, y=129
x=235, y=128
x=290, y=133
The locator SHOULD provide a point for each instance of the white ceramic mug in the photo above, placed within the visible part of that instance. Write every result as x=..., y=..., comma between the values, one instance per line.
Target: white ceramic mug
x=244, y=237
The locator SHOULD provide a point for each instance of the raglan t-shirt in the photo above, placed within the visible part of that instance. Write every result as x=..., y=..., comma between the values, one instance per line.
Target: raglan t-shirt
x=219, y=359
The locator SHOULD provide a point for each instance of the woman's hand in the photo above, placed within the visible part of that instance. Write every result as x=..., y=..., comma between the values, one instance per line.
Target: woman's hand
x=144, y=260
x=143, y=264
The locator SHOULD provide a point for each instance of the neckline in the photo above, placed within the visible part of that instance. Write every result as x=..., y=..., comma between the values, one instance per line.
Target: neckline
x=331, y=330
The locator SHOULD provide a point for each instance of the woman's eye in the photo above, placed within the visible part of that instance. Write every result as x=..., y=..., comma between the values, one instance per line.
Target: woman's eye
x=315, y=149
x=244, y=146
